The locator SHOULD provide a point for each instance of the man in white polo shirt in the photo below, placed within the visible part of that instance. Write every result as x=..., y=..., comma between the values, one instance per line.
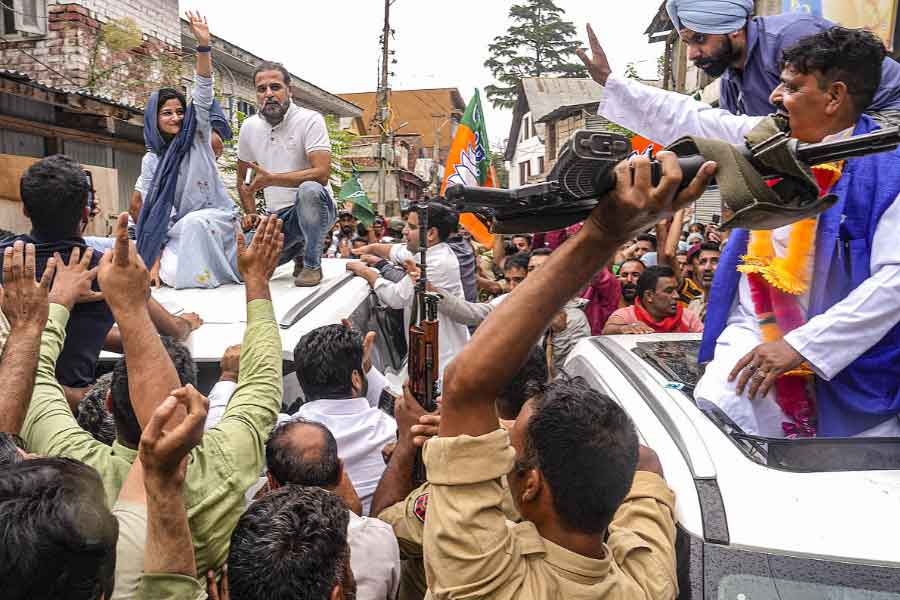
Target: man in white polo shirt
x=288, y=149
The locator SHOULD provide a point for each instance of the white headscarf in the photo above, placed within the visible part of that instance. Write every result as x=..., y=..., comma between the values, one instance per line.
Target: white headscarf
x=709, y=16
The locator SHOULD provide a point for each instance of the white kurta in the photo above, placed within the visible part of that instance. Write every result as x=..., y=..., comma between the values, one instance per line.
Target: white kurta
x=828, y=342
x=443, y=274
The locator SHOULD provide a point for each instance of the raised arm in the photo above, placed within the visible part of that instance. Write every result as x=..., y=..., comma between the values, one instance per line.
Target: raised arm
x=659, y=115
x=169, y=557
x=200, y=29
x=475, y=378
x=26, y=307
x=126, y=284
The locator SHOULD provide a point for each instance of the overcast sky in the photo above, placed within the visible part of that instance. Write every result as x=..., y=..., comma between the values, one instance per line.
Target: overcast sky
x=334, y=44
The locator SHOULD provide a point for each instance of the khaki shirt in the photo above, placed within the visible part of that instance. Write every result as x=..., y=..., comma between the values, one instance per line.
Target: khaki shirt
x=472, y=551
x=408, y=520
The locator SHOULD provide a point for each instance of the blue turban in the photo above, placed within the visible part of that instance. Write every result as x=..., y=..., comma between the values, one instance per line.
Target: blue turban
x=709, y=16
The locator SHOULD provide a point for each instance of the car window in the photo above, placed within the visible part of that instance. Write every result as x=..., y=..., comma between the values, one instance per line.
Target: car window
x=389, y=351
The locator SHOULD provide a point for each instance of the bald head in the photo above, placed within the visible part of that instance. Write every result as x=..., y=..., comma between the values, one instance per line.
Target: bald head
x=303, y=452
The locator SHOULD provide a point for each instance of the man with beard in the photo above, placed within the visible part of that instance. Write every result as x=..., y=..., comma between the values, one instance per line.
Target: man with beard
x=442, y=270
x=723, y=39
x=844, y=328
x=629, y=273
x=704, y=258
x=340, y=240
x=656, y=308
x=289, y=152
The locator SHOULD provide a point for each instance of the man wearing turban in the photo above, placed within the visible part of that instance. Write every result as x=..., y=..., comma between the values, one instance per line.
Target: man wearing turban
x=724, y=38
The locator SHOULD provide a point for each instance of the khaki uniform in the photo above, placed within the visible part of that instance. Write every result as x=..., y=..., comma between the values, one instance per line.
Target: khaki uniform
x=408, y=520
x=472, y=551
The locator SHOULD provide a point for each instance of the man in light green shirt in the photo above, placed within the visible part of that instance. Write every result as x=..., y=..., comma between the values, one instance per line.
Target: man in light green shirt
x=230, y=456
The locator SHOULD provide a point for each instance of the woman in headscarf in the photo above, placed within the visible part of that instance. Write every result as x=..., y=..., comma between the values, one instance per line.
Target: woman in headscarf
x=187, y=222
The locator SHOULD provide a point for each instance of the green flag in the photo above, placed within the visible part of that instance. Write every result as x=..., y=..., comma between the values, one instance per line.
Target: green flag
x=362, y=207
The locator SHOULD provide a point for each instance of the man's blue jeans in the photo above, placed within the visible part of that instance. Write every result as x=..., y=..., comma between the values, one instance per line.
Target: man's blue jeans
x=306, y=223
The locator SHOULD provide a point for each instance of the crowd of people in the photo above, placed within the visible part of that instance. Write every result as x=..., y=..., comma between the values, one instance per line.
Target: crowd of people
x=134, y=484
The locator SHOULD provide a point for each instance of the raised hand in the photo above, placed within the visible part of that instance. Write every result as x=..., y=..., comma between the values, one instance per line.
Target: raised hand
x=164, y=453
x=597, y=65
x=25, y=301
x=258, y=260
x=72, y=283
x=123, y=276
x=230, y=365
x=199, y=27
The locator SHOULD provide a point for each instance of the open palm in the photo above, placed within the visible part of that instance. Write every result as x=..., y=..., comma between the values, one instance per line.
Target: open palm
x=199, y=27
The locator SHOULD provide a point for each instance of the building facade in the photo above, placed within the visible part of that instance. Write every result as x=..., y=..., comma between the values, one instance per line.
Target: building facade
x=76, y=76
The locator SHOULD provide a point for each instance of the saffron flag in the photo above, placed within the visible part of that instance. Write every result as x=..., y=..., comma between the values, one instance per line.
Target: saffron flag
x=469, y=163
x=353, y=192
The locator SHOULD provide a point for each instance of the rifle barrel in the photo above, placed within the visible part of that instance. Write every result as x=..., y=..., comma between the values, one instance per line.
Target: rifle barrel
x=860, y=145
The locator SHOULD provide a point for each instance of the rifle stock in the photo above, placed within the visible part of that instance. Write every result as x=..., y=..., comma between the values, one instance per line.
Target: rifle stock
x=423, y=340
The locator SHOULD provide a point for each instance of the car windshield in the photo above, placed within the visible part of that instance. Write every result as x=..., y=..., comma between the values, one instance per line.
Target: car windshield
x=677, y=362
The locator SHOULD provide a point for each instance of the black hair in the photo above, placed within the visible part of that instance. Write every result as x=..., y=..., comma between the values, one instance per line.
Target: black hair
x=272, y=66
x=650, y=277
x=54, y=191
x=628, y=260
x=166, y=94
x=314, y=464
x=519, y=260
x=9, y=449
x=647, y=237
x=708, y=247
x=325, y=359
x=57, y=536
x=852, y=56
x=443, y=218
x=530, y=380
x=128, y=429
x=587, y=450
x=291, y=544
x=93, y=415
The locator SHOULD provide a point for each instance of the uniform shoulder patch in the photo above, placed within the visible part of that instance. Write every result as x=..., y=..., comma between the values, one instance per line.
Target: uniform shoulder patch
x=420, y=507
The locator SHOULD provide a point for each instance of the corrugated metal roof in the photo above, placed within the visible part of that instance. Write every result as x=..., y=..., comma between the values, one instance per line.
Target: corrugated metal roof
x=26, y=78
x=545, y=95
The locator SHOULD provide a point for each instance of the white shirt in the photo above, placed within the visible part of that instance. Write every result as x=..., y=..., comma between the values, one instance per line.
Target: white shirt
x=283, y=148
x=374, y=558
x=443, y=274
x=361, y=432
x=828, y=342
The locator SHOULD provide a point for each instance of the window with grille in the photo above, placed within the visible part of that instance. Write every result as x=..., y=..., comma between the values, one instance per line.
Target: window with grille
x=23, y=17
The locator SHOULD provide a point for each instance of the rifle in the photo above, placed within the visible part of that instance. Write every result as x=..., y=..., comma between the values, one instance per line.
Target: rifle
x=423, y=338
x=584, y=174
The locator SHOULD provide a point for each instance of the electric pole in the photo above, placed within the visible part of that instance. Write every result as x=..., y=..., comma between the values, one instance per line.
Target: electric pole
x=381, y=113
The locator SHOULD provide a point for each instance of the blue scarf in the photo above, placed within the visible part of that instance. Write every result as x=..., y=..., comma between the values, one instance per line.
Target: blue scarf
x=153, y=221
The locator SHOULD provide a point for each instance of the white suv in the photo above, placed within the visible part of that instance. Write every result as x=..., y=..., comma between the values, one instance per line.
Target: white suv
x=758, y=519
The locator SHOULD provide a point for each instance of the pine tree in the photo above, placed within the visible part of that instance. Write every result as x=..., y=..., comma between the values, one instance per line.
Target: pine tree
x=539, y=43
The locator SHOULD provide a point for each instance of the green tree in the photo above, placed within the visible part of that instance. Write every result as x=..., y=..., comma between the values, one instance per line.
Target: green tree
x=539, y=43
x=500, y=167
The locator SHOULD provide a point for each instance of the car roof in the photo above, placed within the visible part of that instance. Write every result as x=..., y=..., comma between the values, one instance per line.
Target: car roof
x=766, y=508
x=297, y=310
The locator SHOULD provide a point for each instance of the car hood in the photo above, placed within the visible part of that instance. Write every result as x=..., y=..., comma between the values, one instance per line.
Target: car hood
x=847, y=515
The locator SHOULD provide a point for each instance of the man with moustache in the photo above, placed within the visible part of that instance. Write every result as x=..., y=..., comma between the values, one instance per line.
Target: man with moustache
x=723, y=38
x=656, y=308
x=289, y=152
x=704, y=258
x=841, y=325
x=628, y=276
